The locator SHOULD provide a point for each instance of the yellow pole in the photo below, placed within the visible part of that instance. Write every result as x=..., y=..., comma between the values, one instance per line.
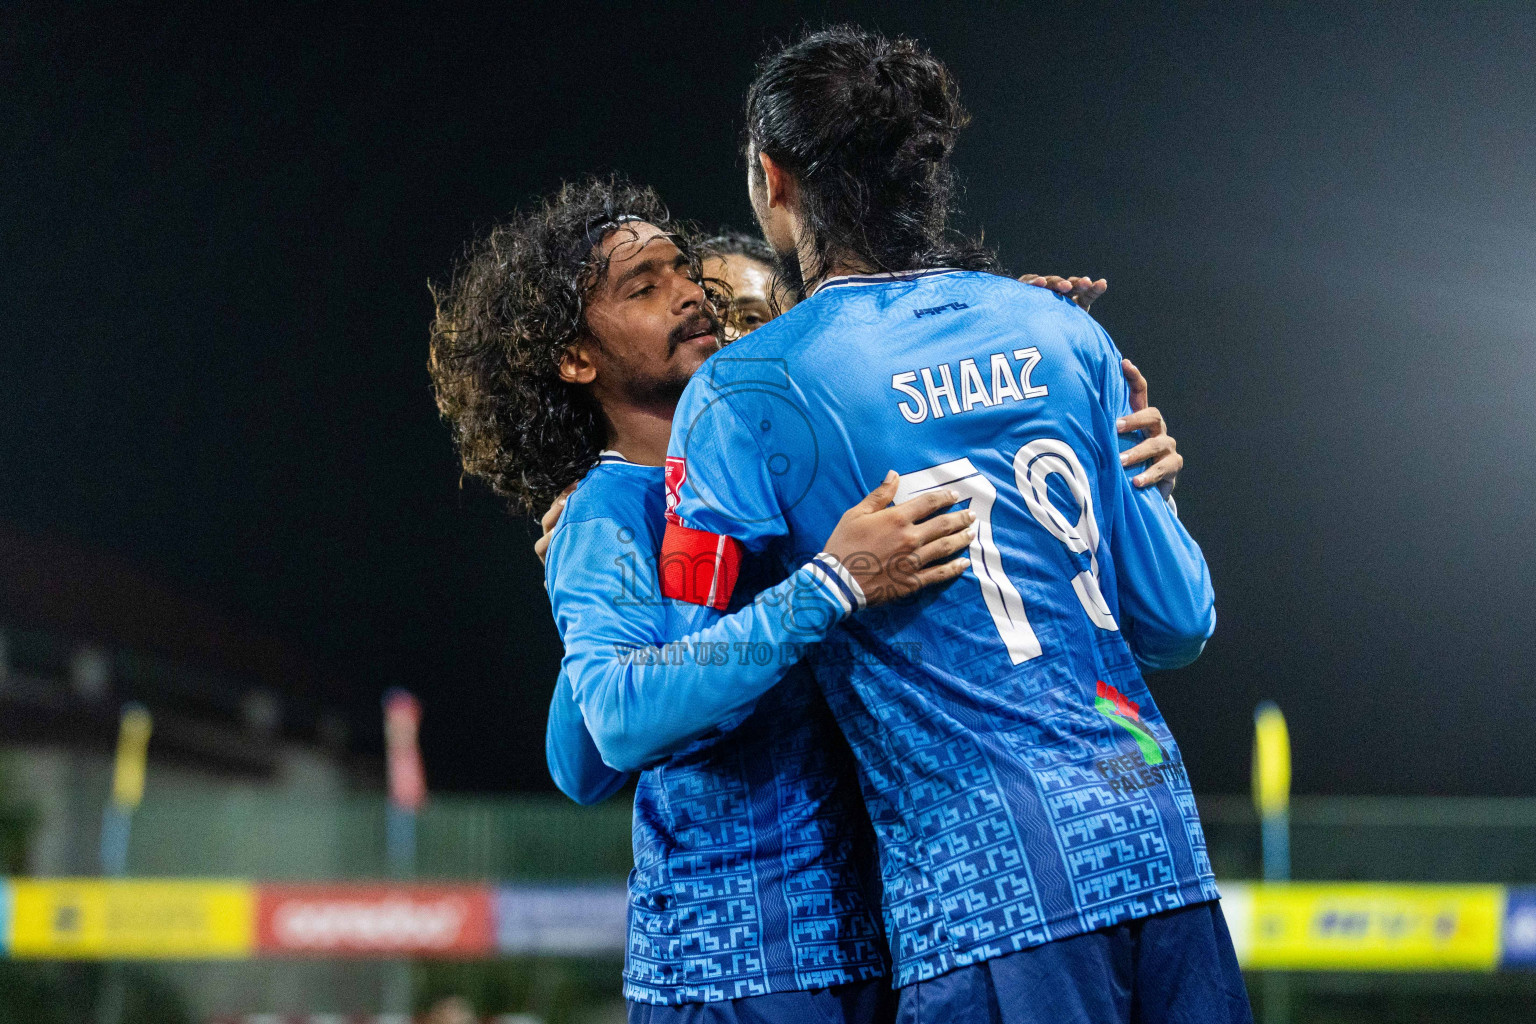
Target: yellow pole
x=1272, y=798
x=132, y=755
x=127, y=787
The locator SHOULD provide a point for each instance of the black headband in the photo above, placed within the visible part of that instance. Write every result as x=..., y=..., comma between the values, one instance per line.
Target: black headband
x=600, y=227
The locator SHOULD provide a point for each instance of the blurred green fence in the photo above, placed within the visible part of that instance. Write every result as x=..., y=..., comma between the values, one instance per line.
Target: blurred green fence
x=248, y=833
x=1383, y=839
x=276, y=838
x=257, y=835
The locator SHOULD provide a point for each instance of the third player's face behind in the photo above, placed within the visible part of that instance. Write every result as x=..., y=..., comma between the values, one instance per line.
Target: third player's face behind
x=649, y=324
x=749, y=287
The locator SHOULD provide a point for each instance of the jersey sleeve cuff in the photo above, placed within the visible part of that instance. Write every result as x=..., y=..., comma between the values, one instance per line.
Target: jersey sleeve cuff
x=839, y=584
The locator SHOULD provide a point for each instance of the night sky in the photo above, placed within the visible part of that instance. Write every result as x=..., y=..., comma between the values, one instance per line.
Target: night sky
x=1319, y=231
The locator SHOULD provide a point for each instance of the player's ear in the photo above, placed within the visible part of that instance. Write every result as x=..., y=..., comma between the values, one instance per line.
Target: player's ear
x=578, y=364
x=776, y=180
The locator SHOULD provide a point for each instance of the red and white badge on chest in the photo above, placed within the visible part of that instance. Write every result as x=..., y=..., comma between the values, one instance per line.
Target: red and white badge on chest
x=677, y=472
x=696, y=566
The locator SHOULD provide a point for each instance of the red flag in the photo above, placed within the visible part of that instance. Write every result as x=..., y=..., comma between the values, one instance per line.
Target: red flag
x=402, y=722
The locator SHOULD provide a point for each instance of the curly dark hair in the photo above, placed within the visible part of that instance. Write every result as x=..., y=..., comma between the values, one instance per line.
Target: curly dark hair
x=867, y=126
x=516, y=302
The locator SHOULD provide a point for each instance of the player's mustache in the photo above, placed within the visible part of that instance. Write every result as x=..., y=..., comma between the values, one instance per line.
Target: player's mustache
x=702, y=320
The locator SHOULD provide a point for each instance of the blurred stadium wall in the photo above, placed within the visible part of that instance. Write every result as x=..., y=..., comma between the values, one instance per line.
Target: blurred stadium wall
x=253, y=775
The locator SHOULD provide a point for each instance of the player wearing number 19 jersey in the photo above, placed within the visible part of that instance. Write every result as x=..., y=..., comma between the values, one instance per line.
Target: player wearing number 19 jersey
x=1015, y=766
x=1034, y=818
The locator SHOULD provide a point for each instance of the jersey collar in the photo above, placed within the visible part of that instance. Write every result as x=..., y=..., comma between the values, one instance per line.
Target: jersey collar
x=609, y=455
x=850, y=280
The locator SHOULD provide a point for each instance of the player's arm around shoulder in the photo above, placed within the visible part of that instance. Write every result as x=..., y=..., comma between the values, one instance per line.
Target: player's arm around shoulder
x=1167, y=606
x=1168, y=603
x=652, y=678
x=605, y=612
x=574, y=761
x=1171, y=627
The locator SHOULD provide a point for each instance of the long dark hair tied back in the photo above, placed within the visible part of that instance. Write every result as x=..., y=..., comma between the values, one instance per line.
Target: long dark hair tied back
x=867, y=125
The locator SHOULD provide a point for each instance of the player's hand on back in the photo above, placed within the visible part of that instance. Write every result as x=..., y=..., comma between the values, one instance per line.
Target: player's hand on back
x=1159, y=450
x=1082, y=290
x=549, y=520
x=895, y=550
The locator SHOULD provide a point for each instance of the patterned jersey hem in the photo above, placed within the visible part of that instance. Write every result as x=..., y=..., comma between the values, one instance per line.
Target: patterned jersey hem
x=947, y=959
x=745, y=988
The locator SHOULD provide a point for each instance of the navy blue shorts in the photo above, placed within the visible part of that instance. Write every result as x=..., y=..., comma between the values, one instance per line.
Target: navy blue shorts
x=863, y=1002
x=1177, y=967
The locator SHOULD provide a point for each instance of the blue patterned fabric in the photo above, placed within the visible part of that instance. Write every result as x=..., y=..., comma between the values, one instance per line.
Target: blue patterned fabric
x=865, y=1002
x=1022, y=784
x=751, y=844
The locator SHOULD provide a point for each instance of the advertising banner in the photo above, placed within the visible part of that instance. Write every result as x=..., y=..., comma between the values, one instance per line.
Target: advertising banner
x=374, y=920
x=5, y=917
x=1520, y=929
x=561, y=919
x=96, y=919
x=1275, y=926
x=1366, y=927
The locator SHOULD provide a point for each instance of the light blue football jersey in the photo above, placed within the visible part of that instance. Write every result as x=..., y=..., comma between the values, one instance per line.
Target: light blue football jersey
x=1022, y=784
x=752, y=848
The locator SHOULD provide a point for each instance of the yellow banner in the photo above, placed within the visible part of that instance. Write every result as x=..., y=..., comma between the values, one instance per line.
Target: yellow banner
x=1365, y=926
x=92, y=919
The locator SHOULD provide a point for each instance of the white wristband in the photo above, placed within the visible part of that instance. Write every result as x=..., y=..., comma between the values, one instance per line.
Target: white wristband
x=835, y=578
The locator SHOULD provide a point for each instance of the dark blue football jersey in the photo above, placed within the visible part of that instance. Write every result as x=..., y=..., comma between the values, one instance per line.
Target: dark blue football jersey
x=1023, y=786
x=751, y=844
